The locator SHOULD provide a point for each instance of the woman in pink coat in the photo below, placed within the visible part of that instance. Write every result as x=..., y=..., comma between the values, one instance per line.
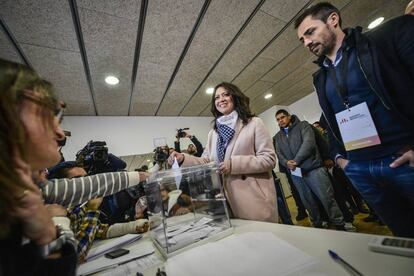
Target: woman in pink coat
x=243, y=149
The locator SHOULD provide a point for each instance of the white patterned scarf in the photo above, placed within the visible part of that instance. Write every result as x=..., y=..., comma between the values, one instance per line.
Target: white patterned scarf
x=226, y=125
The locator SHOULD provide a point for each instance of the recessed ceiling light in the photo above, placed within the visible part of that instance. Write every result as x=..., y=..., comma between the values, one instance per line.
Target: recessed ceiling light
x=210, y=90
x=111, y=80
x=375, y=23
x=268, y=96
x=148, y=160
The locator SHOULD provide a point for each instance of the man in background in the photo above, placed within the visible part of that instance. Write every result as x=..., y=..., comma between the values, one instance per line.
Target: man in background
x=296, y=149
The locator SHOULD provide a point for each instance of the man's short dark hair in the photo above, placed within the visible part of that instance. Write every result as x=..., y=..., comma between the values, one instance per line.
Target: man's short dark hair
x=282, y=111
x=319, y=11
x=316, y=123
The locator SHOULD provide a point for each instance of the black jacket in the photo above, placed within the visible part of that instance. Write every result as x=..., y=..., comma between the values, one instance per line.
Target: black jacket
x=386, y=57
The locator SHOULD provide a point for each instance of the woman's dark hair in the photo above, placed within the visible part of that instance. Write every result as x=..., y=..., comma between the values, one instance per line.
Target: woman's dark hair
x=241, y=103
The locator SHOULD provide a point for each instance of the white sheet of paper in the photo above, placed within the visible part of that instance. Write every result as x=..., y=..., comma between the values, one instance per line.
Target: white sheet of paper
x=357, y=127
x=141, y=248
x=297, y=172
x=241, y=255
x=178, y=175
x=111, y=244
x=135, y=266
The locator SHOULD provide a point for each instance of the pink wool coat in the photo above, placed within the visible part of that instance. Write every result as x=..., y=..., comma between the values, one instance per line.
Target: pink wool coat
x=249, y=188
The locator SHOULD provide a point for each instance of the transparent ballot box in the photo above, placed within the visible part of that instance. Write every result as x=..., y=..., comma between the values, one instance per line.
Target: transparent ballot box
x=191, y=205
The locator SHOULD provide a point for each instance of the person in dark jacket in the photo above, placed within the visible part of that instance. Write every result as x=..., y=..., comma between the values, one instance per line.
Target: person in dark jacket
x=365, y=88
x=296, y=149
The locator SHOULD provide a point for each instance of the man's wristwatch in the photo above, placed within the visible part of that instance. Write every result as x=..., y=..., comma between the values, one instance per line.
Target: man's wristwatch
x=64, y=236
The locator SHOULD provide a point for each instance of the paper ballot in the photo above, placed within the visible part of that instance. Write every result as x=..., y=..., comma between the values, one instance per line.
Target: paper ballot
x=177, y=173
x=297, y=172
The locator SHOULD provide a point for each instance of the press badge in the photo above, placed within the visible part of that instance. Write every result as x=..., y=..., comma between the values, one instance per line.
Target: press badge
x=357, y=127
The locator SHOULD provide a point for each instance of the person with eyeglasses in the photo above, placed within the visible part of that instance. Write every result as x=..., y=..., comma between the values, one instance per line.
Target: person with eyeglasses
x=30, y=243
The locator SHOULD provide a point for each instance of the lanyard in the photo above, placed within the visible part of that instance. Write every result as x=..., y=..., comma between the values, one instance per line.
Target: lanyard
x=341, y=89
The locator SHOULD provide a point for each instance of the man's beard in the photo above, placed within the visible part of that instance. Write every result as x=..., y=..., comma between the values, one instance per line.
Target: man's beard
x=328, y=44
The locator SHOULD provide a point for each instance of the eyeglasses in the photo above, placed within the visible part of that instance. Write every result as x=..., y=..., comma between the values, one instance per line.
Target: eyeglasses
x=57, y=110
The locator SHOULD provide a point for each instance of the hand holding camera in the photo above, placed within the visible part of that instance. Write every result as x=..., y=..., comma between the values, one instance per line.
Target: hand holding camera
x=181, y=133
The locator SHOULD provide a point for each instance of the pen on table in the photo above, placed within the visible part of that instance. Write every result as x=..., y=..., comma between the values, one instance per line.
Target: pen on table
x=344, y=264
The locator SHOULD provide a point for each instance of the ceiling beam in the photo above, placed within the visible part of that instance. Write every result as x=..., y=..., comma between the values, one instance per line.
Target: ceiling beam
x=14, y=42
x=138, y=44
x=78, y=28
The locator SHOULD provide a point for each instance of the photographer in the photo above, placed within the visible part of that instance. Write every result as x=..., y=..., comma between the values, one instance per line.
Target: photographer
x=195, y=149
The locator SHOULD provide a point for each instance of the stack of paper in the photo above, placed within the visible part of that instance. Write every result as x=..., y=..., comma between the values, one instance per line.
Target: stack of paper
x=110, y=245
x=184, y=234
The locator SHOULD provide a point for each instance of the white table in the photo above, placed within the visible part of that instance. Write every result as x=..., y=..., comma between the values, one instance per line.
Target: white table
x=352, y=247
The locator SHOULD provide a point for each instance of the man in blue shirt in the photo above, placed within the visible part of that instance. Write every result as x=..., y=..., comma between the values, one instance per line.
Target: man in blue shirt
x=365, y=88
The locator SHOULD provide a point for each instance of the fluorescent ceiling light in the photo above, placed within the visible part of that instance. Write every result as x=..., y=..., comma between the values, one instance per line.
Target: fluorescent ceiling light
x=148, y=160
x=210, y=90
x=375, y=23
x=268, y=96
x=111, y=80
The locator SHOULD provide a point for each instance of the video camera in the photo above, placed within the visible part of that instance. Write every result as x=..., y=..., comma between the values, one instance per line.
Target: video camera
x=94, y=158
x=181, y=132
x=160, y=154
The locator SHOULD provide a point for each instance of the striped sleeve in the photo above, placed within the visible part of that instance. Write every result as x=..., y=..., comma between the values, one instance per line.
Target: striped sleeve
x=71, y=192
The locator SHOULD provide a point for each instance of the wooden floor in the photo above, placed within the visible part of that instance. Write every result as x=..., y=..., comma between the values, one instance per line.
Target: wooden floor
x=361, y=226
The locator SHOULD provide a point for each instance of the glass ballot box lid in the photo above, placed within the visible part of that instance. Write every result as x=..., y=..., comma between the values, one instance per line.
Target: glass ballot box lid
x=191, y=205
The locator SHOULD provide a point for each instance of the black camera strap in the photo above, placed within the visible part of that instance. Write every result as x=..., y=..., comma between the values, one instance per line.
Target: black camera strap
x=341, y=88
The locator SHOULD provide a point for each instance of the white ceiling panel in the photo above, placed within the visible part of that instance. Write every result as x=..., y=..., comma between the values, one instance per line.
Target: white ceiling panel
x=42, y=23
x=254, y=37
x=283, y=9
x=126, y=8
x=65, y=70
x=265, y=56
x=221, y=23
x=253, y=73
x=167, y=28
x=110, y=46
x=7, y=51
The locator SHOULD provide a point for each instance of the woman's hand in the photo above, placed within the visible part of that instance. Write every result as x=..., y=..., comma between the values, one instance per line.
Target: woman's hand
x=30, y=210
x=142, y=228
x=56, y=210
x=173, y=155
x=181, y=211
x=225, y=167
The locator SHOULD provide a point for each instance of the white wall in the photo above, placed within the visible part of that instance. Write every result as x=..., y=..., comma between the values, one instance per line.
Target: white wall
x=307, y=108
x=130, y=135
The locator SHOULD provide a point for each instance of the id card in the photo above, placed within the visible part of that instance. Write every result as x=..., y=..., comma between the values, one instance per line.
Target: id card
x=357, y=127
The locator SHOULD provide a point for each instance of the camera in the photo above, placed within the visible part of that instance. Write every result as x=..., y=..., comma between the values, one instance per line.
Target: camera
x=181, y=132
x=160, y=154
x=94, y=158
